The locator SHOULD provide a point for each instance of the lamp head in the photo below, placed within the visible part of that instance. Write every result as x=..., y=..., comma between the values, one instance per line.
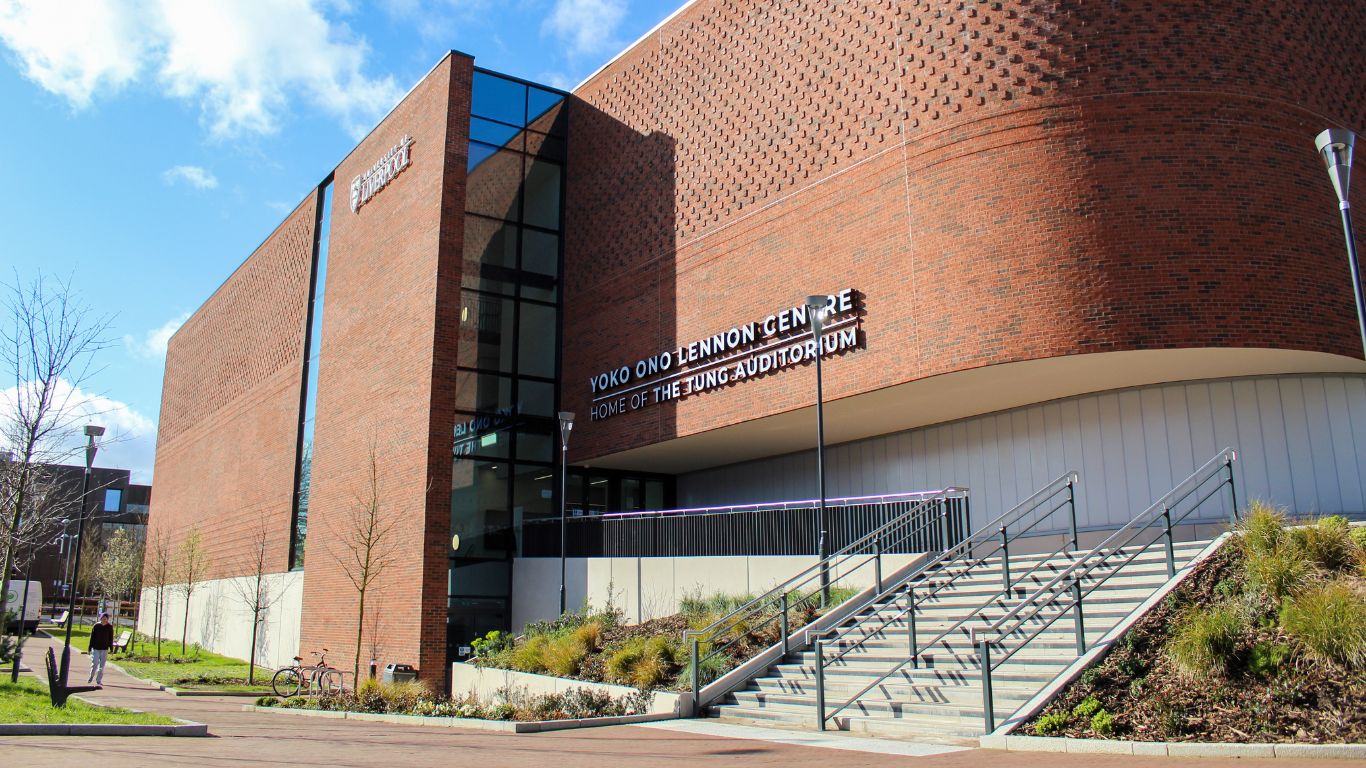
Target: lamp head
x=817, y=306
x=1335, y=145
x=566, y=425
x=93, y=431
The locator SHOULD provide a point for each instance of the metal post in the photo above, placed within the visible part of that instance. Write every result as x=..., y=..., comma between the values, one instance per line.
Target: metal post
x=988, y=709
x=1072, y=506
x=564, y=461
x=877, y=564
x=1079, y=624
x=944, y=526
x=76, y=571
x=820, y=684
x=1346, y=210
x=696, y=676
x=1005, y=563
x=910, y=625
x=823, y=544
x=1167, y=535
x=783, y=622
x=1232, y=493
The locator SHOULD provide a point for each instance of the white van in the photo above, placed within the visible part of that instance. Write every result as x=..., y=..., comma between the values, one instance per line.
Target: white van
x=14, y=602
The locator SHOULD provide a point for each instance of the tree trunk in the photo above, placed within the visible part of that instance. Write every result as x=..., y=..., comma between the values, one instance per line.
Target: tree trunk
x=251, y=665
x=360, y=629
x=161, y=604
x=185, y=629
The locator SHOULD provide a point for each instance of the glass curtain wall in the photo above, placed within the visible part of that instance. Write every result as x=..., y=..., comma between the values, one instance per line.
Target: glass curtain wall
x=508, y=360
x=303, y=471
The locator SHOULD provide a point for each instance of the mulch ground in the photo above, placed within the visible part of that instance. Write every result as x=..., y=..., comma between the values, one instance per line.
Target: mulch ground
x=1152, y=701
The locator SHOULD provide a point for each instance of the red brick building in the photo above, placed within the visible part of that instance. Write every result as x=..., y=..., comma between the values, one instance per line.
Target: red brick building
x=1076, y=236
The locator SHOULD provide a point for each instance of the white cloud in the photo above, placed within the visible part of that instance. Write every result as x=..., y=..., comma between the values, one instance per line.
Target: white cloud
x=152, y=345
x=242, y=62
x=586, y=26
x=129, y=441
x=190, y=174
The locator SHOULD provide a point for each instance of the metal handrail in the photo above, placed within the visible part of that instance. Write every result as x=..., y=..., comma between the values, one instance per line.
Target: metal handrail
x=1083, y=566
x=775, y=506
x=948, y=559
x=875, y=539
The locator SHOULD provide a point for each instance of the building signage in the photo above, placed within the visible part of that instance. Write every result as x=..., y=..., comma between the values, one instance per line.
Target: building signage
x=780, y=340
x=365, y=186
x=482, y=431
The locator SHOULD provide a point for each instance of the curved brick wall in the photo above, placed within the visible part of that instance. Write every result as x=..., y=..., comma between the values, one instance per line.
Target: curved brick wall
x=1005, y=181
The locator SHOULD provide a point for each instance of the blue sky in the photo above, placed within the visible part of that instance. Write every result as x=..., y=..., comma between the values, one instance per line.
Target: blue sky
x=150, y=145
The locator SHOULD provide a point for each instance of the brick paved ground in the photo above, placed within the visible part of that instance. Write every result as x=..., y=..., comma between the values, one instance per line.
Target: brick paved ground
x=259, y=739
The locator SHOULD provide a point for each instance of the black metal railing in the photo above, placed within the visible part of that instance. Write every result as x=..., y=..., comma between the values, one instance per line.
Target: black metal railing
x=928, y=520
x=990, y=541
x=780, y=528
x=1067, y=591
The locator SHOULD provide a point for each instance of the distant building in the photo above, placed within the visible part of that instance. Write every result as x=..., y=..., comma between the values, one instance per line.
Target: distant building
x=113, y=503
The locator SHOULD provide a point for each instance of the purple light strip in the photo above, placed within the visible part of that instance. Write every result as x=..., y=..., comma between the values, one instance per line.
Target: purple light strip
x=780, y=505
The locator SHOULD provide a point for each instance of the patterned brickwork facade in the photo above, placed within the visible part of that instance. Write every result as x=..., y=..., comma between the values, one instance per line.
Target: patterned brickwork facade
x=386, y=384
x=1004, y=181
x=229, y=429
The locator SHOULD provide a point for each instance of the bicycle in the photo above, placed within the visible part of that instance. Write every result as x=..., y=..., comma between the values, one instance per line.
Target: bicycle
x=298, y=679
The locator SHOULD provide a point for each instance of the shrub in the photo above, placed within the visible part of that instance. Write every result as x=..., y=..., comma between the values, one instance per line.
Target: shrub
x=267, y=701
x=1330, y=623
x=589, y=635
x=529, y=656
x=1171, y=719
x=1327, y=543
x=643, y=662
x=1358, y=534
x=1279, y=573
x=1103, y=723
x=1206, y=642
x=295, y=702
x=562, y=655
x=1088, y=707
x=1267, y=658
x=493, y=643
x=1261, y=530
x=696, y=606
x=1051, y=723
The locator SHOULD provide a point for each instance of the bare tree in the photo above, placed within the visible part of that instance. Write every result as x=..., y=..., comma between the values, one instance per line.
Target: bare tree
x=366, y=546
x=255, y=590
x=192, y=560
x=48, y=344
x=157, y=577
x=120, y=568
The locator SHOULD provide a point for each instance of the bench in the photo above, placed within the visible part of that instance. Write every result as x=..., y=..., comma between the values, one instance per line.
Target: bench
x=122, y=642
x=61, y=620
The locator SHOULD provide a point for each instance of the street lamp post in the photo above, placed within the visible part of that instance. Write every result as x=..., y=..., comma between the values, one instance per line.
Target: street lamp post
x=566, y=425
x=1335, y=146
x=91, y=432
x=816, y=307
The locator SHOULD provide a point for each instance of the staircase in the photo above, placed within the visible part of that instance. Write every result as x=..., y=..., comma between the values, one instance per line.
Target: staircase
x=941, y=698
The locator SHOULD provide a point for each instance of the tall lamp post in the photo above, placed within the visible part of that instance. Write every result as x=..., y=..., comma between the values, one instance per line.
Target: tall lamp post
x=566, y=425
x=816, y=306
x=1335, y=146
x=91, y=432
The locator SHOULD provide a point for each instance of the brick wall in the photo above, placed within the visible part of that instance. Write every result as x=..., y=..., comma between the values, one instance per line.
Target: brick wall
x=1004, y=180
x=388, y=334
x=229, y=426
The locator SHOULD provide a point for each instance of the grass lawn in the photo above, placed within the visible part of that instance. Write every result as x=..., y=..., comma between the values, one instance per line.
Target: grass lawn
x=198, y=670
x=27, y=702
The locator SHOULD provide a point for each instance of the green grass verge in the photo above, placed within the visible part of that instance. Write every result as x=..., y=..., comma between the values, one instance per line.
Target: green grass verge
x=27, y=702
x=197, y=670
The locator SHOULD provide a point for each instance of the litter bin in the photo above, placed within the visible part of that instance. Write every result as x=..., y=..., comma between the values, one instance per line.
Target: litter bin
x=399, y=673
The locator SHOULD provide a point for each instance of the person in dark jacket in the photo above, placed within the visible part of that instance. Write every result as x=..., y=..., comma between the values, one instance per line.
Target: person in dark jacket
x=101, y=640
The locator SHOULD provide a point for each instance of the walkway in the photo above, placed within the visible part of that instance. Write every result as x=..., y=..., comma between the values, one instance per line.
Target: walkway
x=250, y=738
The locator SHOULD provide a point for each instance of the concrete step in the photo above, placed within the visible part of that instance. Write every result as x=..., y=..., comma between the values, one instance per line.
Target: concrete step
x=952, y=730
x=963, y=693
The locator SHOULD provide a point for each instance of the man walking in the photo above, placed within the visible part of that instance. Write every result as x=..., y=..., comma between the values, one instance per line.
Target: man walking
x=101, y=640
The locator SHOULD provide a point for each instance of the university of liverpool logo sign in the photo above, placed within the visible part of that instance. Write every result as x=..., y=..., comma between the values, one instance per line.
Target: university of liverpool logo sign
x=365, y=186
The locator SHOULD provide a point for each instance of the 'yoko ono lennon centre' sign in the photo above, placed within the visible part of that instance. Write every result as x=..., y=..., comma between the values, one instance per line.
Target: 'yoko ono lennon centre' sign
x=757, y=348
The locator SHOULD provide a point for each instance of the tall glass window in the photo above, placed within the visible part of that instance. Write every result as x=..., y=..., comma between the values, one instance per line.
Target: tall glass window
x=312, y=354
x=506, y=435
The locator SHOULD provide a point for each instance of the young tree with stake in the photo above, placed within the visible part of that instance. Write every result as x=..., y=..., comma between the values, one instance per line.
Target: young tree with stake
x=191, y=563
x=255, y=589
x=366, y=546
x=157, y=577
